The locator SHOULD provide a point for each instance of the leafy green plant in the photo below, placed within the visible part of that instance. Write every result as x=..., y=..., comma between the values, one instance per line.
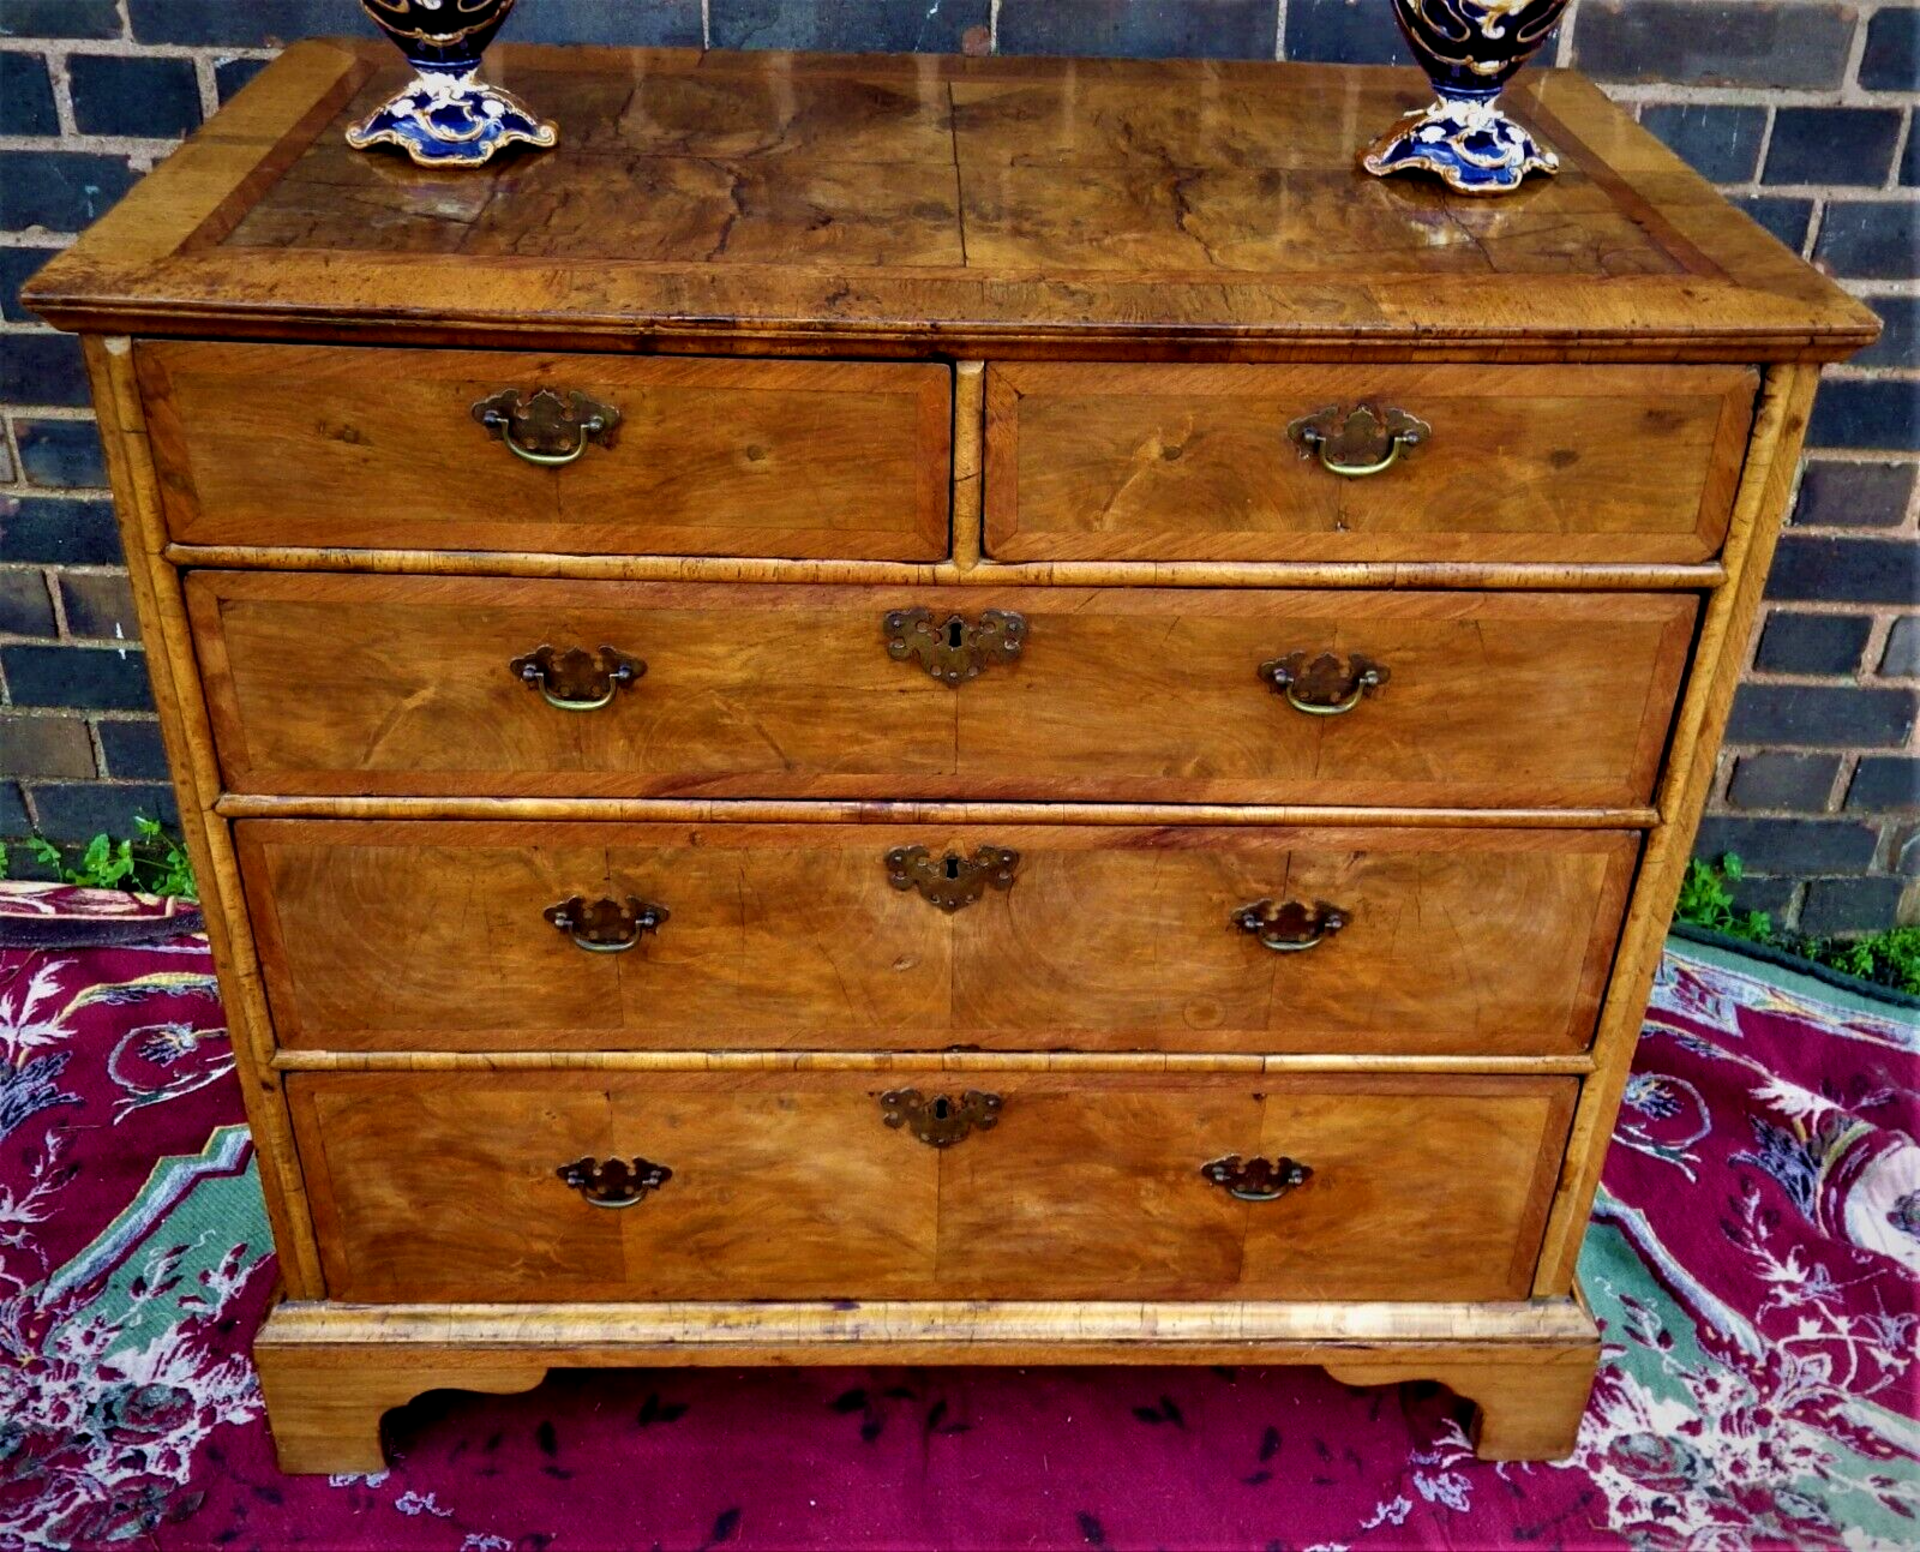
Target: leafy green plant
x=1890, y=958
x=152, y=863
x=1706, y=900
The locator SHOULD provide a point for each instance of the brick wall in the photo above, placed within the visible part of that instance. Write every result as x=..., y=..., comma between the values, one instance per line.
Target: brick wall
x=1802, y=112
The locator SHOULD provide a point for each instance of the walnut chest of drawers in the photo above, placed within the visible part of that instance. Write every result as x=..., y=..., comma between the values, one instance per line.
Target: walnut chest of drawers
x=935, y=710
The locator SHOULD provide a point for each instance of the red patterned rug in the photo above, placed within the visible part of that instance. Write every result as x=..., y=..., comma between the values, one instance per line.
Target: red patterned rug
x=1753, y=1260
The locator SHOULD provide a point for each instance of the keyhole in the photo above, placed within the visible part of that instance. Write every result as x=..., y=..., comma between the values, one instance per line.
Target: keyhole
x=955, y=634
x=953, y=867
x=941, y=1108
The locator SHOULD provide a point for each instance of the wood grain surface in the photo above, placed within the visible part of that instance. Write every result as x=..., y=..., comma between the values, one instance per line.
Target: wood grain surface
x=777, y=203
x=293, y=445
x=430, y=936
x=765, y=691
x=443, y=1187
x=1166, y=462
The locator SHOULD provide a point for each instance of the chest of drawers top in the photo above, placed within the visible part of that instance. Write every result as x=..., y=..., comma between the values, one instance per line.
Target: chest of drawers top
x=902, y=206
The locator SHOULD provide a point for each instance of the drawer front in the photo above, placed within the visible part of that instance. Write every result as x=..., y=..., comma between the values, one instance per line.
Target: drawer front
x=384, y=936
x=1546, y=463
x=325, y=684
x=380, y=449
x=446, y=1186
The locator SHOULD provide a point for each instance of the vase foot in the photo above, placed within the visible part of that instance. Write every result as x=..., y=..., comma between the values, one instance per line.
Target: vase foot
x=452, y=121
x=1473, y=146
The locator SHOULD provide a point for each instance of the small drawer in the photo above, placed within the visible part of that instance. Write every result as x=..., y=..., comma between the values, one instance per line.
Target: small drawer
x=454, y=1187
x=322, y=684
x=1389, y=463
x=462, y=936
x=322, y=446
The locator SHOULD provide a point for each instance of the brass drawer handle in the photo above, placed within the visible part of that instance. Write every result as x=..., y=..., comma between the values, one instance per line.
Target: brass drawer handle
x=1290, y=928
x=1359, y=441
x=1324, y=686
x=575, y=679
x=606, y=926
x=546, y=429
x=952, y=650
x=614, y=1182
x=940, y=1121
x=951, y=882
x=1256, y=1180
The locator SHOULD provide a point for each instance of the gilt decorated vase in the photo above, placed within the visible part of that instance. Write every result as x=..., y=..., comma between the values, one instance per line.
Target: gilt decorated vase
x=1469, y=50
x=446, y=115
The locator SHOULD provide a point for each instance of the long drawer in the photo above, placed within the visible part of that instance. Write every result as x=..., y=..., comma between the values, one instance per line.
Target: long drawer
x=324, y=684
x=463, y=936
x=415, y=449
x=460, y=1187
x=1363, y=463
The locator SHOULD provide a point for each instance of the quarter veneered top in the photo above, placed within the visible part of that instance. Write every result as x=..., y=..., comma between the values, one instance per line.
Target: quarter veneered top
x=910, y=204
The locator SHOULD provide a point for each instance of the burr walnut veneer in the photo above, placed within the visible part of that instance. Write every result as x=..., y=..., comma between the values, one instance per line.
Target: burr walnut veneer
x=935, y=710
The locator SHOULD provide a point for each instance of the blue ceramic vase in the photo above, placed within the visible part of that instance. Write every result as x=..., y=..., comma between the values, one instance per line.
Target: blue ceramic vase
x=446, y=116
x=1469, y=49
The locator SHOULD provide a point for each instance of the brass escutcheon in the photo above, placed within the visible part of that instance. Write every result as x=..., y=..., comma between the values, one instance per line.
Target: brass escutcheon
x=1323, y=686
x=574, y=679
x=940, y=1121
x=614, y=1182
x=1290, y=927
x=952, y=650
x=1256, y=1180
x=544, y=428
x=951, y=881
x=606, y=926
x=1357, y=441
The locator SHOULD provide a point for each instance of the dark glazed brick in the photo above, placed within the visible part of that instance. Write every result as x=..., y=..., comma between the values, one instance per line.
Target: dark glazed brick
x=1870, y=239
x=133, y=750
x=1772, y=895
x=26, y=96
x=1884, y=784
x=1854, y=495
x=1791, y=846
x=1784, y=215
x=1809, y=568
x=13, y=823
x=1799, y=782
x=93, y=678
x=58, y=531
x=47, y=746
x=1732, y=43
x=60, y=190
x=59, y=19
x=1861, y=413
x=1899, y=342
x=1721, y=144
x=1809, y=643
x=25, y=608
x=1147, y=29
x=253, y=23
x=1349, y=32
x=1836, y=905
x=16, y=266
x=655, y=24
x=858, y=26
x=1910, y=161
x=42, y=369
x=61, y=454
x=1901, y=658
x=157, y=99
x=232, y=74
x=80, y=678
x=1832, y=145
x=99, y=605
x=75, y=811
x=1891, y=60
x=1798, y=716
